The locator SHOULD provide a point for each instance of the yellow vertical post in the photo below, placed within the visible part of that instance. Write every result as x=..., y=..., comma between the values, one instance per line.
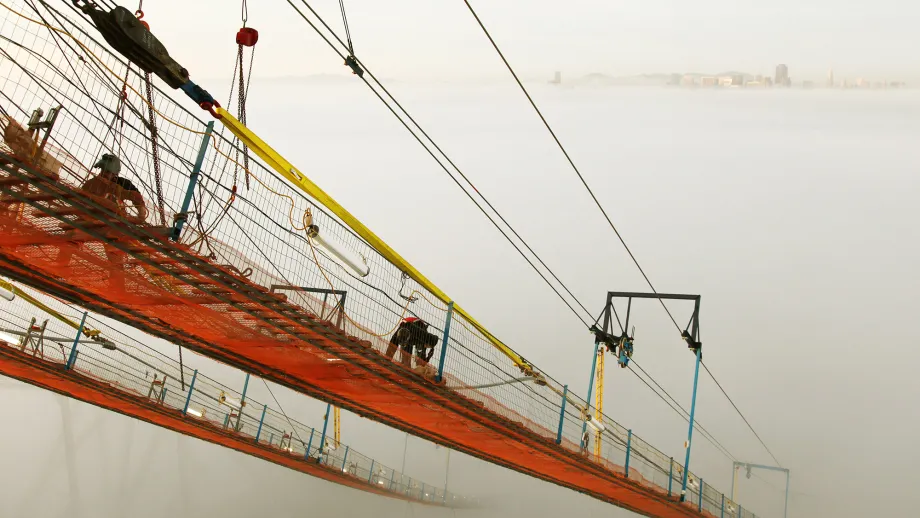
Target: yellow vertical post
x=337, y=429
x=599, y=401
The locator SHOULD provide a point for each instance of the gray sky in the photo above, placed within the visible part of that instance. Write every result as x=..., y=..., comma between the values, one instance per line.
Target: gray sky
x=792, y=214
x=433, y=40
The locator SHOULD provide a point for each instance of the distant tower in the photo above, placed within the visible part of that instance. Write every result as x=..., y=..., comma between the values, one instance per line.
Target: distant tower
x=782, y=75
x=830, y=78
x=557, y=79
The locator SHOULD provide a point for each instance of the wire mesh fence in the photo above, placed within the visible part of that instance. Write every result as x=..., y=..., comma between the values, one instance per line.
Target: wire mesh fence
x=274, y=236
x=124, y=363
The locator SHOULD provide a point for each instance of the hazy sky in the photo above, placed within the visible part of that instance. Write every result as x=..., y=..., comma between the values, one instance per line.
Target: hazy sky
x=792, y=213
x=433, y=40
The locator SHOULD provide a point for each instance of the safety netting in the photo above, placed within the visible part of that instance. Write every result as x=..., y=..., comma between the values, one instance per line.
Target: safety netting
x=245, y=283
x=102, y=354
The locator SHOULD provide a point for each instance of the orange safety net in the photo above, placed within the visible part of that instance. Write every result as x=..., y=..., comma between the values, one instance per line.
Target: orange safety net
x=88, y=251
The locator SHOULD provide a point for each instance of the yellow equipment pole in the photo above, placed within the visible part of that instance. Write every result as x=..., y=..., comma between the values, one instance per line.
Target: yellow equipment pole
x=599, y=400
x=287, y=170
x=92, y=333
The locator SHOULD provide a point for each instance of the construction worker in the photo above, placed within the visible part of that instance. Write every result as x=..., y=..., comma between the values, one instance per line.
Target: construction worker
x=113, y=191
x=411, y=333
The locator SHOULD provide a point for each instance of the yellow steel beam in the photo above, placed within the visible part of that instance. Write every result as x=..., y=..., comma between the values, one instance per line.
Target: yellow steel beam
x=287, y=170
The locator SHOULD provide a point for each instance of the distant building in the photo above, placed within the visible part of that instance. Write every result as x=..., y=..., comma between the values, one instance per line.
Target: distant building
x=782, y=76
x=830, y=78
x=674, y=80
x=725, y=81
x=767, y=82
x=688, y=80
x=862, y=83
x=557, y=79
x=709, y=81
x=738, y=80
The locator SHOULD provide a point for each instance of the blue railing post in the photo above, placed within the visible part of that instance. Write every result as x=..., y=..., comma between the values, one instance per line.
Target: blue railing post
x=345, y=458
x=696, y=379
x=740, y=511
x=191, y=387
x=193, y=181
x=701, y=495
x=239, y=417
x=670, y=476
x=73, y=350
x=628, y=450
x=322, y=440
x=370, y=478
x=723, y=506
x=392, y=478
x=584, y=424
x=306, y=454
x=565, y=398
x=262, y=420
x=450, y=312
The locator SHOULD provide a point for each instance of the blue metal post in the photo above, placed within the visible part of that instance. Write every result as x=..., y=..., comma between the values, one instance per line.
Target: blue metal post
x=670, y=476
x=450, y=312
x=193, y=181
x=740, y=511
x=227, y=418
x=628, y=450
x=322, y=440
x=786, y=508
x=345, y=458
x=701, y=496
x=245, y=388
x=723, y=506
x=262, y=420
x=271, y=439
x=191, y=387
x=584, y=425
x=73, y=350
x=163, y=394
x=306, y=454
x=565, y=398
x=239, y=418
x=696, y=379
x=392, y=477
x=370, y=478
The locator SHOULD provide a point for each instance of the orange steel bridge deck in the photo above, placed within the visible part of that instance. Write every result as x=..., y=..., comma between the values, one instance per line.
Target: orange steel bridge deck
x=172, y=292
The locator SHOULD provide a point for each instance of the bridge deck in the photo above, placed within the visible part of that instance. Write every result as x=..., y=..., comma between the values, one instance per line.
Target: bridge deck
x=134, y=274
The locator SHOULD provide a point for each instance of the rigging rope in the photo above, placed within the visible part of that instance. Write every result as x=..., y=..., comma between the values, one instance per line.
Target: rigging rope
x=351, y=49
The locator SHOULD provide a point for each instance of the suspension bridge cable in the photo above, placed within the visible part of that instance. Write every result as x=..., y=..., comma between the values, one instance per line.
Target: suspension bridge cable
x=569, y=159
x=441, y=163
x=598, y=204
x=778, y=463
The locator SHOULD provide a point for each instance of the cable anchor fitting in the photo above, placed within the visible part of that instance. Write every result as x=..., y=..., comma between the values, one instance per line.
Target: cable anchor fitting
x=352, y=62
